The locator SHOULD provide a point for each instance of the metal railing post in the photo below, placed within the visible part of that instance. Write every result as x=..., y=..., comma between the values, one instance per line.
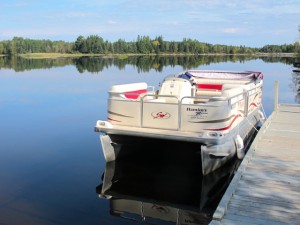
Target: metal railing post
x=246, y=106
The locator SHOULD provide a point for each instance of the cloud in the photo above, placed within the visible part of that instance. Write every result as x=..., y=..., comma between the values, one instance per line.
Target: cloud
x=231, y=30
x=209, y=21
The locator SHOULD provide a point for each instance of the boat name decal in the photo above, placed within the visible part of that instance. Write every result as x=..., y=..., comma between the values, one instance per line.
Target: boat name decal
x=198, y=113
x=196, y=110
x=160, y=115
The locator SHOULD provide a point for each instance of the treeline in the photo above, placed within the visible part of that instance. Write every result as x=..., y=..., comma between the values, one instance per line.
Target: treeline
x=95, y=44
x=145, y=45
x=19, y=45
x=286, y=48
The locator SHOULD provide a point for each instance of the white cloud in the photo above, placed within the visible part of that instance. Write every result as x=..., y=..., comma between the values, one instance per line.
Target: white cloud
x=197, y=19
x=231, y=30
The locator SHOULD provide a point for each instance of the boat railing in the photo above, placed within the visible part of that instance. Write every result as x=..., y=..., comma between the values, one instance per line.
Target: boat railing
x=241, y=99
x=197, y=100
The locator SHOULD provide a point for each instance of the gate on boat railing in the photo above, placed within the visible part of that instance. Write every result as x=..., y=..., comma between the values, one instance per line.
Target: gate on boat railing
x=162, y=112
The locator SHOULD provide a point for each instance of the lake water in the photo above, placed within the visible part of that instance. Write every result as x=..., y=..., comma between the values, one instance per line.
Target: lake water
x=51, y=162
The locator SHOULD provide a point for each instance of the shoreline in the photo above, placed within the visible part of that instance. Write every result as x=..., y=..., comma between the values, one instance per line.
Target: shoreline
x=125, y=56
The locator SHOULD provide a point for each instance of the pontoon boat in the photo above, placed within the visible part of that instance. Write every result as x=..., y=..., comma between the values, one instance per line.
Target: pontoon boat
x=217, y=109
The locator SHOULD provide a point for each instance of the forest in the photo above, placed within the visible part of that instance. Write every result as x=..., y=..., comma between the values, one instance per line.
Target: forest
x=95, y=44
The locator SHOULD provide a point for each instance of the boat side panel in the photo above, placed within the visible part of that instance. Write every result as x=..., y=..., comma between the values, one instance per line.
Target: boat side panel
x=197, y=118
x=124, y=112
x=255, y=98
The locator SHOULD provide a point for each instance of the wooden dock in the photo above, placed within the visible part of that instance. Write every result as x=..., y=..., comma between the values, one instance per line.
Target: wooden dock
x=266, y=187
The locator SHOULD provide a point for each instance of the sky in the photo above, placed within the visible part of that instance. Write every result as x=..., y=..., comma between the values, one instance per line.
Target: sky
x=253, y=23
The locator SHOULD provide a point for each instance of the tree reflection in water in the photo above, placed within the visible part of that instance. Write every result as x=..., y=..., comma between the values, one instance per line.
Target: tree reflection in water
x=142, y=63
x=296, y=85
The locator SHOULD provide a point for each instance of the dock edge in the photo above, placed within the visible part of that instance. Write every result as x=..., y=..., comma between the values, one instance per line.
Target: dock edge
x=223, y=204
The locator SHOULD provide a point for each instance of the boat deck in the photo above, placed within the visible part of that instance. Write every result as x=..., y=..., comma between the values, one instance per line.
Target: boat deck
x=265, y=189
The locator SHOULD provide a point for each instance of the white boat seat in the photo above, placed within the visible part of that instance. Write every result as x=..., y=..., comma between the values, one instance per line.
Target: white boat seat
x=178, y=88
x=128, y=91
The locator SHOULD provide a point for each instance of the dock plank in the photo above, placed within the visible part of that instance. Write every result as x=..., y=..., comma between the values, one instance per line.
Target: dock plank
x=248, y=221
x=264, y=201
x=269, y=215
x=271, y=177
x=265, y=189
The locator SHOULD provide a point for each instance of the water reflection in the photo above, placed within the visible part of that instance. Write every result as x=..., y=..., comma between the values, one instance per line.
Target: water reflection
x=155, y=187
x=49, y=177
x=296, y=84
x=142, y=63
x=19, y=64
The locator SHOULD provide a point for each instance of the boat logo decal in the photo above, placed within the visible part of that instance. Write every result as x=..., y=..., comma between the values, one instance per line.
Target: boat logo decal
x=161, y=115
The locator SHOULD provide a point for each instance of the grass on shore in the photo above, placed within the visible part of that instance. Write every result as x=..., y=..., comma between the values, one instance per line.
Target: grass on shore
x=66, y=55
x=51, y=55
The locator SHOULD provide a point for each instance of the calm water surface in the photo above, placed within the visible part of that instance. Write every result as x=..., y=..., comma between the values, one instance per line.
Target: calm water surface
x=51, y=162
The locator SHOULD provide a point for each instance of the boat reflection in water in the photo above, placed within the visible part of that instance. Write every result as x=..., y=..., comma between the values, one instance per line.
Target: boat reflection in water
x=170, y=187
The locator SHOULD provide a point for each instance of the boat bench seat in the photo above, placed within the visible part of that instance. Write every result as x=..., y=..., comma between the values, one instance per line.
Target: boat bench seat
x=209, y=90
x=128, y=91
x=216, y=90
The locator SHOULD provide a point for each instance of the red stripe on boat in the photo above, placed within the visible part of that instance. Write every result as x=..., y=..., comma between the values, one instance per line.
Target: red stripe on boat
x=226, y=128
x=216, y=87
x=134, y=94
x=113, y=120
x=253, y=103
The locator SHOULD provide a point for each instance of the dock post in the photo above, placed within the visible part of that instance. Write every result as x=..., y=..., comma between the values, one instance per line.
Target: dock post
x=276, y=95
